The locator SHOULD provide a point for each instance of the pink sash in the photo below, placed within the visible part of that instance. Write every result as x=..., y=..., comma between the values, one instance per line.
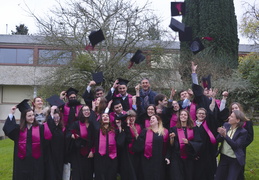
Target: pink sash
x=36, y=151
x=173, y=120
x=66, y=113
x=112, y=144
x=193, y=112
x=149, y=142
x=244, y=125
x=83, y=135
x=147, y=123
x=181, y=135
x=138, y=128
x=211, y=136
x=218, y=102
x=47, y=132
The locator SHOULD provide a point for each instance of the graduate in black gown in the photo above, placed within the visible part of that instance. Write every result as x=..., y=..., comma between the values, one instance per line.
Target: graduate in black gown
x=29, y=141
x=56, y=146
x=106, y=141
x=185, y=142
x=81, y=134
x=152, y=144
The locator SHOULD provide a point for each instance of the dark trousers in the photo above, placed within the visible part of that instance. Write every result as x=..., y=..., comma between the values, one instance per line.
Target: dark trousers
x=228, y=168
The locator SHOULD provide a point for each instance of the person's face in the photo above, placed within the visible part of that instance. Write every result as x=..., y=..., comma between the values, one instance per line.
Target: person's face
x=122, y=89
x=163, y=103
x=56, y=118
x=105, y=118
x=150, y=111
x=72, y=97
x=86, y=111
x=206, y=92
x=118, y=108
x=232, y=119
x=99, y=94
x=153, y=121
x=97, y=101
x=145, y=84
x=175, y=105
x=132, y=119
x=235, y=107
x=184, y=95
x=201, y=115
x=183, y=116
x=30, y=117
x=38, y=103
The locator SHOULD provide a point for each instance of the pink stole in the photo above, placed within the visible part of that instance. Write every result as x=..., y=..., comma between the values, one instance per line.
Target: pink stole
x=66, y=112
x=173, y=120
x=211, y=136
x=36, y=150
x=130, y=101
x=217, y=101
x=47, y=132
x=193, y=112
x=181, y=135
x=83, y=135
x=147, y=123
x=112, y=150
x=244, y=125
x=149, y=142
x=138, y=128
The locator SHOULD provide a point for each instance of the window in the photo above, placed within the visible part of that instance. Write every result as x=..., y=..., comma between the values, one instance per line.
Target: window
x=16, y=56
x=54, y=57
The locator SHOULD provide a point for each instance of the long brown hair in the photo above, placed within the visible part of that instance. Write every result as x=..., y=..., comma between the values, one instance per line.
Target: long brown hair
x=23, y=122
x=190, y=123
x=81, y=116
x=103, y=129
x=240, y=108
x=102, y=105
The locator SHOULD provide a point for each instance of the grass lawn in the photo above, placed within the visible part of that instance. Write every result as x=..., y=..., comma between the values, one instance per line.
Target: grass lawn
x=251, y=169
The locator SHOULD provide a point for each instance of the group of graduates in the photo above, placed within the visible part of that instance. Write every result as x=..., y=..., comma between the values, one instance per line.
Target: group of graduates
x=142, y=137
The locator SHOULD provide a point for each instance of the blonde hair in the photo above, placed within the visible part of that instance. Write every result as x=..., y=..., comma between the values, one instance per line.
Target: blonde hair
x=161, y=128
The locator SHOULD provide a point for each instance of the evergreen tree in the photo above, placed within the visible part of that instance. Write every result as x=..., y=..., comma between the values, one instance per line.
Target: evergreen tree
x=21, y=30
x=215, y=19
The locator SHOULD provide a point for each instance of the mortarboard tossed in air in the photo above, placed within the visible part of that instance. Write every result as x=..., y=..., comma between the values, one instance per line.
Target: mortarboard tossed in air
x=186, y=35
x=123, y=81
x=176, y=25
x=98, y=77
x=177, y=8
x=55, y=101
x=22, y=106
x=137, y=58
x=196, y=45
x=95, y=37
x=71, y=91
x=206, y=82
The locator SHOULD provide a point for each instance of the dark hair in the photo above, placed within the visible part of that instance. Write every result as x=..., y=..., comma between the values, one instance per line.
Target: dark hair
x=102, y=105
x=190, y=123
x=99, y=88
x=81, y=116
x=23, y=122
x=152, y=106
x=159, y=97
x=61, y=122
x=181, y=91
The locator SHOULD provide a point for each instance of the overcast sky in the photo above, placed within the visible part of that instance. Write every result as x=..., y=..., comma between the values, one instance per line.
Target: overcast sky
x=12, y=13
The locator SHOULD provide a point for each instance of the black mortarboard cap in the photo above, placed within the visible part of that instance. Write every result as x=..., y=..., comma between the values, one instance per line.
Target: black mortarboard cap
x=98, y=77
x=206, y=82
x=196, y=45
x=176, y=25
x=71, y=91
x=122, y=117
x=123, y=81
x=137, y=57
x=55, y=101
x=177, y=8
x=95, y=37
x=22, y=106
x=116, y=100
x=186, y=35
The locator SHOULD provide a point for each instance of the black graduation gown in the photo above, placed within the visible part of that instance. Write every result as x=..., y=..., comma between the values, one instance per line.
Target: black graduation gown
x=154, y=167
x=106, y=168
x=55, y=152
x=28, y=168
x=182, y=169
x=82, y=167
